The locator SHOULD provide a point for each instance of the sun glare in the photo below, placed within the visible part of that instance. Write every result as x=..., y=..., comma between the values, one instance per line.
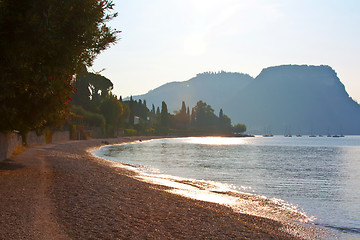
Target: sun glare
x=194, y=45
x=216, y=141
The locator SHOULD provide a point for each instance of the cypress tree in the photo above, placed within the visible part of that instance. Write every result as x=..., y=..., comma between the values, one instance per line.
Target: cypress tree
x=193, y=117
x=183, y=109
x=164, y=115
x=221, y=114
x=153, y=110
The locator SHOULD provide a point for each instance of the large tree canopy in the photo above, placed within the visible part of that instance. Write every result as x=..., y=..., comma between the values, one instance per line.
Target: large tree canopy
x=203, y=116
x=90, y=90
x=43, y=45
x=114, y=111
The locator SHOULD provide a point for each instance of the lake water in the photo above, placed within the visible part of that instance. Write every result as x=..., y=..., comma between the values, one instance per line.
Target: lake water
x=312, y=180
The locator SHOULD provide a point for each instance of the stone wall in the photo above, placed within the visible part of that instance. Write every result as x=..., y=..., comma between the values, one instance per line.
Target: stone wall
x=58, y=137
x=9, y=142
x=34, y=139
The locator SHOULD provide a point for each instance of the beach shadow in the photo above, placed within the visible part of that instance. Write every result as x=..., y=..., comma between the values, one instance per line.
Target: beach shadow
x=9, y=165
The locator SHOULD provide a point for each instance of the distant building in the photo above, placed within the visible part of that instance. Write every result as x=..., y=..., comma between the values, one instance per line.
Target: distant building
x=136, y=120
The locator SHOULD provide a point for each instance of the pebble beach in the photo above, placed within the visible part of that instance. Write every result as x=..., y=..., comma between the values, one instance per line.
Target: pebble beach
x=62, y=191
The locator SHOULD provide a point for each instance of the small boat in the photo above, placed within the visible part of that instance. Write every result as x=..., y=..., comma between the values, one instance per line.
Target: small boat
x=312, y=135
x=268, y=132
x=287, y=132
x=268, y=135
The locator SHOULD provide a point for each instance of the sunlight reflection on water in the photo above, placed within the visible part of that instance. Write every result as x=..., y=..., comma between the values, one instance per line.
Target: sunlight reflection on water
x=318, y=174
x=215, y=140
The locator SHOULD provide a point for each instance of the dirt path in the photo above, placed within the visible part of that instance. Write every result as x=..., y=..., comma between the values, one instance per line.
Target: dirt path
x=44, y=208
x=26, y=210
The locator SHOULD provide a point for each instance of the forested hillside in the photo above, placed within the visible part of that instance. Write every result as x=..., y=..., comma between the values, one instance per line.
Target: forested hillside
x=214, y=88
x=288, y=99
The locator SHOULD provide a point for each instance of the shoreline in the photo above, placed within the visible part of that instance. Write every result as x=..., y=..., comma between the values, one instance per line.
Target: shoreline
x=210, y=191
x=63, y=191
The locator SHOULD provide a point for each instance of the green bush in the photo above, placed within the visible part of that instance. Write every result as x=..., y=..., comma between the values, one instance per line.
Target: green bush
x=151, y=131
x=130, y=132
x=73, y=133
x=109, y=131
x=88, y=118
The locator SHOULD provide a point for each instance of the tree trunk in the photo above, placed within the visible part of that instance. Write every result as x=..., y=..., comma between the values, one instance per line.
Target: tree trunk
x=24, y=135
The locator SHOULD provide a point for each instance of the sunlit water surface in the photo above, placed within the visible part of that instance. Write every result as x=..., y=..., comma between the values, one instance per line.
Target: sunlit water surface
x=313, y=180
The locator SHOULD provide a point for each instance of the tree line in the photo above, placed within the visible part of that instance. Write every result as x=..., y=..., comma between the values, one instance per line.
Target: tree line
x=95, y=106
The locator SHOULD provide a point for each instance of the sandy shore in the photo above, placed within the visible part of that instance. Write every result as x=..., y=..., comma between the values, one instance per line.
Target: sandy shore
x=63, y=192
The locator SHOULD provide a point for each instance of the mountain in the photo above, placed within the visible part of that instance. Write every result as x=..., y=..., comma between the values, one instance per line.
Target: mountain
x=213, y=88
x=291, y=99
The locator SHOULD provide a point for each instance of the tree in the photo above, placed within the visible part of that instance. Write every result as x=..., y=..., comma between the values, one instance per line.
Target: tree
x=204, y=117
x=80, y=116
x=43, y=45
x=188, y=114
x=193, y=118
x=99, y=86
x=221, y=114
x=91, y=89
x=153, y=110
x=131, y=104
x=138, y=109
x=181, y=120
x=164, y=115
x=239, y=128
x=152, y=114
x=114, y=111
x=224, y=122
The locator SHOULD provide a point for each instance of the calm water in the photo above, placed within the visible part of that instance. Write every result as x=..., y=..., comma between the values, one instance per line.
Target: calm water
x=319, y=177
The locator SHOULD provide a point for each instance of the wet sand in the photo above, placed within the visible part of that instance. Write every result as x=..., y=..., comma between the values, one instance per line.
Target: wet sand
x=61, y=191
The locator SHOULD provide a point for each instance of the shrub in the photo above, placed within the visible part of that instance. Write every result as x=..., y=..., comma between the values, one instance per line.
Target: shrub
x=130, y=132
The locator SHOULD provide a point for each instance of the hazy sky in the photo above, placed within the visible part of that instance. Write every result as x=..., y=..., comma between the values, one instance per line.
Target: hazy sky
x=173, y=40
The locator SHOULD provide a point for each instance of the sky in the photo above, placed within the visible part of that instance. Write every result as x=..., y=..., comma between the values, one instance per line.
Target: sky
x=173, y=40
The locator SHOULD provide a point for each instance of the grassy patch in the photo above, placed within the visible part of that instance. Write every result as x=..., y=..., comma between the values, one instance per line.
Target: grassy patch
x=19, y=149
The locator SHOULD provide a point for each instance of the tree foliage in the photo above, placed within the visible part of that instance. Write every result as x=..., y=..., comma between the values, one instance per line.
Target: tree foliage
x=79, y=116
x=181, y=119
x=93, y=95
x=164, y=115
x=113, y=111
x=91, y=89
x=239, y=128
x=137, y=108
x=224, y=123
x=203, y=116
x=43, y=44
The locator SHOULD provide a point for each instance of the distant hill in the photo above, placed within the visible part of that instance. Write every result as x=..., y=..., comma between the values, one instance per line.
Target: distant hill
x=213, y=88
x=290, y=99
x=297, y=100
